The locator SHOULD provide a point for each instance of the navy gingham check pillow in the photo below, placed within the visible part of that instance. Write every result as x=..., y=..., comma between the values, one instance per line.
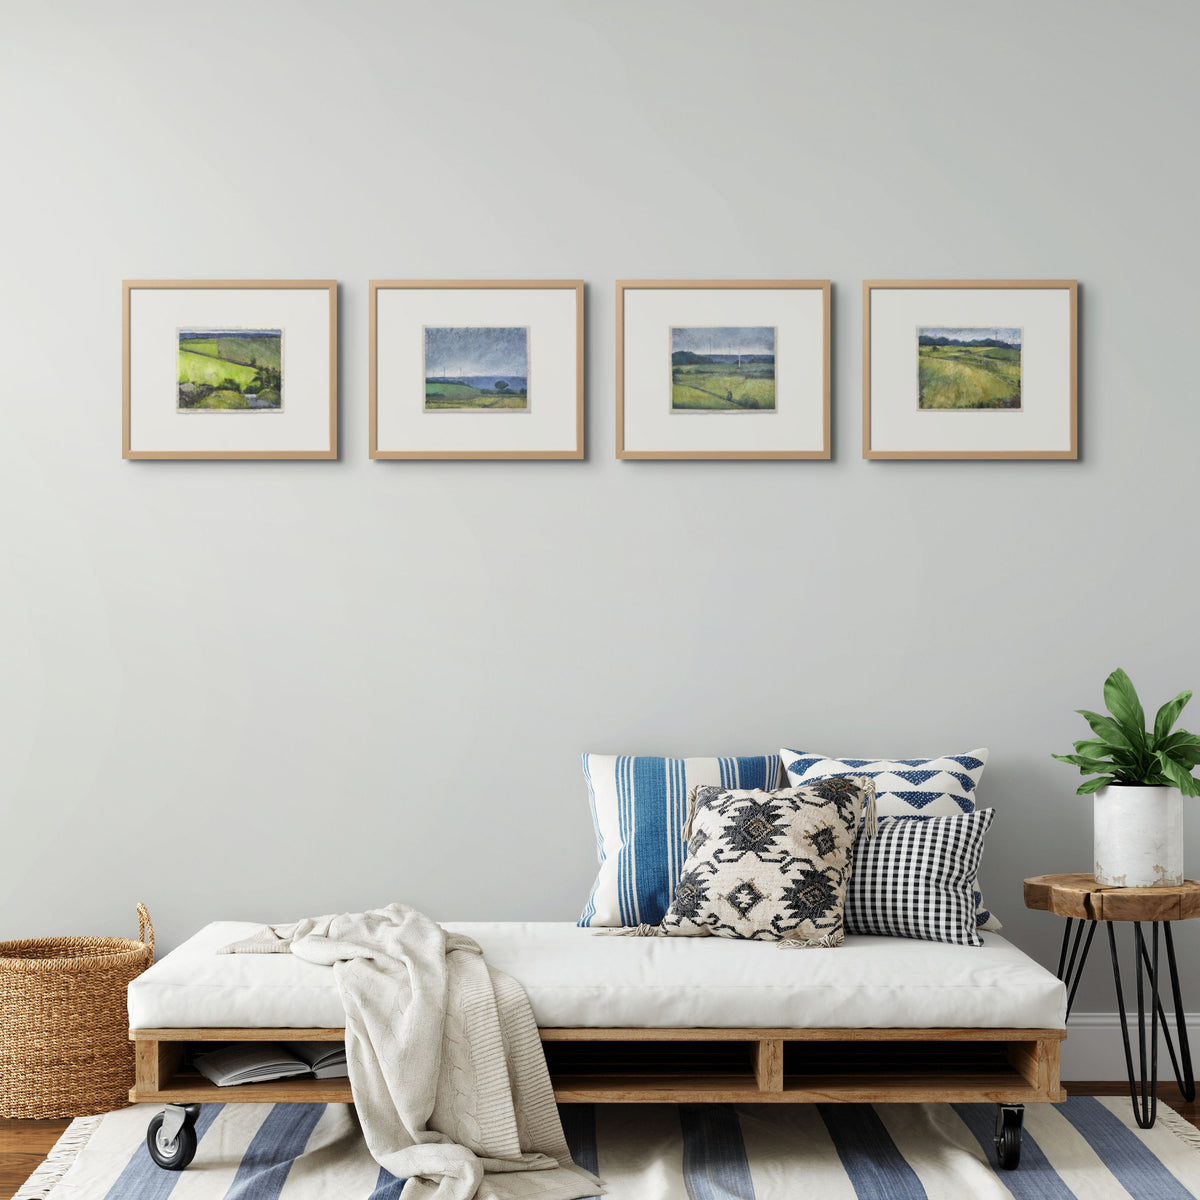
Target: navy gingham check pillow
x=917, y=878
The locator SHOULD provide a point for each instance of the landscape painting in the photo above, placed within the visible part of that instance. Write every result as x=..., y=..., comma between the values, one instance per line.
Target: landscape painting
x=230, y=370
x=476, y=368
x=726, y=369
x=972, y=367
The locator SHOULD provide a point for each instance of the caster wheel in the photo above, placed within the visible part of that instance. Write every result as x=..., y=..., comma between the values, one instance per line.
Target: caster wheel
x=1008, y=1148
x=171, y=1153
x=1008, y=1138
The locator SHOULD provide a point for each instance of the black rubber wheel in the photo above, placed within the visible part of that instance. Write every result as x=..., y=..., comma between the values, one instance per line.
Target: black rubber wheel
x=1008, y=1146
x=175, y=1155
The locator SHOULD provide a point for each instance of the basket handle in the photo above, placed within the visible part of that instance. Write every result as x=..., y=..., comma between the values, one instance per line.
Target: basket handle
x=145, y=927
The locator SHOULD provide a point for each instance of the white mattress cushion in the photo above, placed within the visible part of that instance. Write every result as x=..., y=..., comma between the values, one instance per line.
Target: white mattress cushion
x=586, y=978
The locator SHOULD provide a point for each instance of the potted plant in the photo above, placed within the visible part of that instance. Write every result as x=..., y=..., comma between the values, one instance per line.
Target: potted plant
x=1141, y=778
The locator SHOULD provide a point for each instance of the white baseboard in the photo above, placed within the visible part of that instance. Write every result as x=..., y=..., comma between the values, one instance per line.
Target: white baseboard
x=1093, y=1048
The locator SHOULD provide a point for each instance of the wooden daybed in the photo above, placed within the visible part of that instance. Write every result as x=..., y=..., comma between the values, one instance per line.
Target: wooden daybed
x=572, y=973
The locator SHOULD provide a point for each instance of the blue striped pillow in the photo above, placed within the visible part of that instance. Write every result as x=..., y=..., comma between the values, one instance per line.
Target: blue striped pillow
x=639, y=807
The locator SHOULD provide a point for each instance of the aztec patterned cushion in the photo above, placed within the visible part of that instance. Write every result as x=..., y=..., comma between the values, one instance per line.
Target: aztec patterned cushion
x=906, y=787
x=917, y=878
x=639, y=807
x=769, y=866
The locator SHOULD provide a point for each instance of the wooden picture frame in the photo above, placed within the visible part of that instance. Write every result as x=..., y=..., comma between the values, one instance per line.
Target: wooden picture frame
x=410, y=424
x=158, y=422
x=1042, y=421
x=796, y=425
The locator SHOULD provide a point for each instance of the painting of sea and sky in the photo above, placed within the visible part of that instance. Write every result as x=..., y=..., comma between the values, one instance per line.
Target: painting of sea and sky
x=725, y=368
x=476, y=368
x=230, y=370
x=974, y=367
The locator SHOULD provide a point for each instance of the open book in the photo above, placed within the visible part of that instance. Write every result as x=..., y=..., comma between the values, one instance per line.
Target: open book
x=261, y=1062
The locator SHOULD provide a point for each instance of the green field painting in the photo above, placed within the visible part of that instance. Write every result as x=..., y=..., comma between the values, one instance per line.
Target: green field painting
x=476, y=368
x=229, y=370
x=968, y=368
x=725, y=369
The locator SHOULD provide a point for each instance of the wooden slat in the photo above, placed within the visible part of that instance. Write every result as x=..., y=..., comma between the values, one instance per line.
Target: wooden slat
x=155, y=1062
x=800, y=1035
x=1024, y=1059
x=996, y=1086
x=687, y=1088
x=223, y=1034
x=145, y=1064
x=1050, y=1058
x=216, y=1034
x=189, y=1088
x=768, y=1065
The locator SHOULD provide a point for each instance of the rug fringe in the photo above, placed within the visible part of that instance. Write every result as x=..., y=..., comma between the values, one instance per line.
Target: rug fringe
x=1181, y=1127
x=60, y=1159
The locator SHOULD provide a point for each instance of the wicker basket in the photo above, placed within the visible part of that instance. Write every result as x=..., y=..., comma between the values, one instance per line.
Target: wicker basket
x=64, y=1026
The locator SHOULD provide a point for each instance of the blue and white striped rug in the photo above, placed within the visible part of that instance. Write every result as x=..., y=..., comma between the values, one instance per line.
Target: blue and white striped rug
x=1087, y=1148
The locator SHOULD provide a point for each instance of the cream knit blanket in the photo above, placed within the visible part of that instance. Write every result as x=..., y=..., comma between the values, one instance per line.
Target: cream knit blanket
x=446, y=1066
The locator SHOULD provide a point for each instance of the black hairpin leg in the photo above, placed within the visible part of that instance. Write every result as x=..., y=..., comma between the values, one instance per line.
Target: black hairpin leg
x=1186, y=1081
x=1068, y=971
x=1143, y=1088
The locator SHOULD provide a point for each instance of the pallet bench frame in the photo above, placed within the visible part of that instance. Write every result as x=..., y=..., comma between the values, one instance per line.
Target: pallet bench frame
x=1012, y=1066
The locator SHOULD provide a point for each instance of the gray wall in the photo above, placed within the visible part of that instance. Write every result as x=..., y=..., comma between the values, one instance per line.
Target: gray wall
x=265, y=690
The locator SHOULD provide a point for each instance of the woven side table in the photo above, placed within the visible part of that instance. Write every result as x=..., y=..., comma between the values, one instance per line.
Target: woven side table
x=1080, y=899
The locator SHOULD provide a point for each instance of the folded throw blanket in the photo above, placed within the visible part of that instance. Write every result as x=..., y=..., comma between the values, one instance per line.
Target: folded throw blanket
x=446, y=1066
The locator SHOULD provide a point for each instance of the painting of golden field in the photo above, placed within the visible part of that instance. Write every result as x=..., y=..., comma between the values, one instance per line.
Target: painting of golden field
x=968, y=368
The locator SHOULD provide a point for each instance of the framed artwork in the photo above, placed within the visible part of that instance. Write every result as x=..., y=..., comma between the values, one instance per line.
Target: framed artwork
x=229, y=368
x=970, y=368
x=476, y=368
x=723, y=368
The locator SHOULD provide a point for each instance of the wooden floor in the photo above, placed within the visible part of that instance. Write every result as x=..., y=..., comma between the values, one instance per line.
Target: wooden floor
x=23, y=1144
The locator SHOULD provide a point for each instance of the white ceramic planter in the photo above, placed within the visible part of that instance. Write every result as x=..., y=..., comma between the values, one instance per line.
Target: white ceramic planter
x=1138, y=836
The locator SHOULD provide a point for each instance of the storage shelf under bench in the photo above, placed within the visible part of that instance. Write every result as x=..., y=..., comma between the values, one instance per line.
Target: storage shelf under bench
x=687, y=1066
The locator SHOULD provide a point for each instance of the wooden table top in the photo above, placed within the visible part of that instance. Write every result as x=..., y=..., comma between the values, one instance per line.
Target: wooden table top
x=1081, y=896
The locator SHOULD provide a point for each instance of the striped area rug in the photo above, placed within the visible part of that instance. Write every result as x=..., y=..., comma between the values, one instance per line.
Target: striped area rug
x=1086, y=1149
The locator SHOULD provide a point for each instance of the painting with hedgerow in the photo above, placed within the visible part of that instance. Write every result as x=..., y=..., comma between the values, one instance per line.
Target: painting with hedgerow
x=230, y=370
x=968, y=368
x=476, y=368
x=723, y=369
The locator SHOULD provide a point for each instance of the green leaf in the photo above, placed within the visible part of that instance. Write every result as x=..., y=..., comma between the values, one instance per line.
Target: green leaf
x=1099, y=748
x=1122, y=700
x=1086, y=764
x=1093, y=785
x=1179, y=740
x=1106, y=728
x=1169, y=714
x=1183, y=747
x=1178, y=776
